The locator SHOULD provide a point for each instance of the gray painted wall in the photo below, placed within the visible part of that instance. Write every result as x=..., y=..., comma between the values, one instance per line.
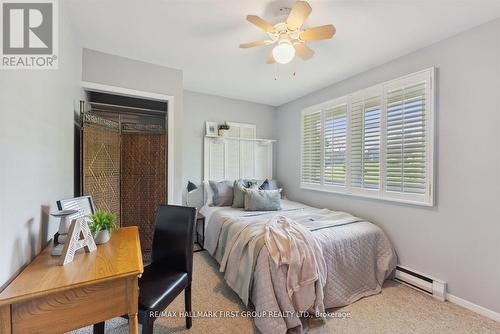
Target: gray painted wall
x=199, y=108
x=458, y=240
x=36, y=150
x=123, y=72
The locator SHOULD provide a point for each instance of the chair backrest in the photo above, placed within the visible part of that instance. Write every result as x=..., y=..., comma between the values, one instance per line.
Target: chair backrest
x=84, y=204
x=173, y=237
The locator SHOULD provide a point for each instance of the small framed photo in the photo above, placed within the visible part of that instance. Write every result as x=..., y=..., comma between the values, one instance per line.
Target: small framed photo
x=211, y=129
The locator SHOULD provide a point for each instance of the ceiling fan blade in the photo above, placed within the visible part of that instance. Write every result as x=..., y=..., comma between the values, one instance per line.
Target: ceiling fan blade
x=303, y=51
x=256, y=43
x=260, y=23
x=270, y=59
x=299, y=13
x=317, y=33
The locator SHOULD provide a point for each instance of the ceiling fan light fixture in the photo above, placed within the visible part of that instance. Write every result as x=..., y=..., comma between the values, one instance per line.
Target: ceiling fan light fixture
x=289, y=35
x=284, y=52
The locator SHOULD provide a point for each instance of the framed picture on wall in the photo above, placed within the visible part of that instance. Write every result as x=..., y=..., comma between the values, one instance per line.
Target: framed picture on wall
x=211, y=129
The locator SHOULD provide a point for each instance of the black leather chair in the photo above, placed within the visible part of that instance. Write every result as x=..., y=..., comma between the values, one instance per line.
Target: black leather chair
x=171, y=267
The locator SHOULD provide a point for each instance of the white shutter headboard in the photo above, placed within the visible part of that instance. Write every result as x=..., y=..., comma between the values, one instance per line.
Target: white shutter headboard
x=238, y=156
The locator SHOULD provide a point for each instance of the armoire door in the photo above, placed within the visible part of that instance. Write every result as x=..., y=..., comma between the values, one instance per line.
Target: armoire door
x=143, y=181
x=100, y=163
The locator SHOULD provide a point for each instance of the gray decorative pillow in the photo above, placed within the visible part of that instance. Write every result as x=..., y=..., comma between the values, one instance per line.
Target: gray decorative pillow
x=262, y=200
x=239, y=191
x=269, y=185
x=223, y=193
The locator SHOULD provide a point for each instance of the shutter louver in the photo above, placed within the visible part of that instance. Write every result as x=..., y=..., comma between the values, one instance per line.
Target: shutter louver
x=335, y=136
x=233, y=155
x=365, y=143
x=311, y=148
x=356, y=144
x=371, y=144
x=406, y=140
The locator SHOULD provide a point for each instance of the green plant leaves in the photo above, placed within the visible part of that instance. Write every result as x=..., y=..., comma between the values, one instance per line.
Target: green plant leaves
x=102, y=221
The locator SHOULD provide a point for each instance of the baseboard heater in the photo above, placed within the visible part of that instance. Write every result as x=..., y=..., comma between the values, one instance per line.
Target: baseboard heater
x=421, y=282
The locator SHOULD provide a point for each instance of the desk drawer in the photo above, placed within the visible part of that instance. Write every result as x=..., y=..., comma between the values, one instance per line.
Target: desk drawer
x=63, y=311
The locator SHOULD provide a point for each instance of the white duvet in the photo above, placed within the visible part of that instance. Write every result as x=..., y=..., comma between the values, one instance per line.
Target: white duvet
x=358, y=256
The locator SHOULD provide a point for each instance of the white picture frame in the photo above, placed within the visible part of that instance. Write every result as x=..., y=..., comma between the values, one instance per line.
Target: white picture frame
x=211, y=129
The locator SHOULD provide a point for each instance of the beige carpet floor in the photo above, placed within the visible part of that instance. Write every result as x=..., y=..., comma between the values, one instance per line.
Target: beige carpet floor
x=397, y=309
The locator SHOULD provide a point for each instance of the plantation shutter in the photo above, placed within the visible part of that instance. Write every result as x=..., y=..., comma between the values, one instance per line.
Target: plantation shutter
x=335, y=136
x=233, y=153
x=311, y=148
x=365, y=143
x=240, y=153
x=377, y=142
x=406, y=139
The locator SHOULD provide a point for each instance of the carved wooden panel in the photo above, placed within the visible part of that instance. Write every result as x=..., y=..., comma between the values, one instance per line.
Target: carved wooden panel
x=101, y=166
x=144, y=186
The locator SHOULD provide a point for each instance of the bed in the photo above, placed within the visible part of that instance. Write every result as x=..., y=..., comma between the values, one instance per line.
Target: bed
x=358, y=256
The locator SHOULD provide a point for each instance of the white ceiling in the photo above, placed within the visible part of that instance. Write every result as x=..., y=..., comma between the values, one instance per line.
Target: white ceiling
x=201, y=37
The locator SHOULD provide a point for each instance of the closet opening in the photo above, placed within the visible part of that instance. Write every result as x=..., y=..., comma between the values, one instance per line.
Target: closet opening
x=123, y=158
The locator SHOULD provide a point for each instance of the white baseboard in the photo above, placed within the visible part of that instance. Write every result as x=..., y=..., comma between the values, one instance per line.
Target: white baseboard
x=473, y=307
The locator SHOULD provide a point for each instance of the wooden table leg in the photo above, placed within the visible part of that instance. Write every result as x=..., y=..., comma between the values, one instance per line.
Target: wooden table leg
x=5, y=320
x=133, y=324
x=133, y=301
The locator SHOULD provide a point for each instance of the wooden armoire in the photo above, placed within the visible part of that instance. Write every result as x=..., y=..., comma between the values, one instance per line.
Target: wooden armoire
x=123, y=159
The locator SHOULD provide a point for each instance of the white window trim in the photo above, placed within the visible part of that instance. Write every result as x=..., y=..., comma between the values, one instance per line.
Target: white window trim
x=426, y=199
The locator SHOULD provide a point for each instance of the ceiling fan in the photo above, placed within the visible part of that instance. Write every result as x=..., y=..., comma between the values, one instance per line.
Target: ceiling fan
x=289, y=35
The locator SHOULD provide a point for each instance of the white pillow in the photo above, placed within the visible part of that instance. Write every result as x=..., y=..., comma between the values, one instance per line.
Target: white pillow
x=208, y=194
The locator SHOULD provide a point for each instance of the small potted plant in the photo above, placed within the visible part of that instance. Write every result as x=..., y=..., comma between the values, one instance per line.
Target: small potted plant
x=224, y=130
x=102, y=225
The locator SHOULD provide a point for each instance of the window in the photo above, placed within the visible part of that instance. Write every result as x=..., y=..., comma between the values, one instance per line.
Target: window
x=365, y=142
x=311, y=143
x=335, y=136
x=376, y=143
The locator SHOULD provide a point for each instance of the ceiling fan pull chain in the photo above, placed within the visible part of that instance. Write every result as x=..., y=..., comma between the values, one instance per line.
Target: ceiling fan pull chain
x=276, y=74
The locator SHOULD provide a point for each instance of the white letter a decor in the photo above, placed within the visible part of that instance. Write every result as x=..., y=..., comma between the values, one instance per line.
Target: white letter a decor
x=79, y=236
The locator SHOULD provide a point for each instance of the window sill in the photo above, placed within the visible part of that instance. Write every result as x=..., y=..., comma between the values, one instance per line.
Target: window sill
x=427, y=202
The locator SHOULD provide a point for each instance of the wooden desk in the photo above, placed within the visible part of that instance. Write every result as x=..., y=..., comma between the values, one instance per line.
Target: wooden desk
x=97, y=286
